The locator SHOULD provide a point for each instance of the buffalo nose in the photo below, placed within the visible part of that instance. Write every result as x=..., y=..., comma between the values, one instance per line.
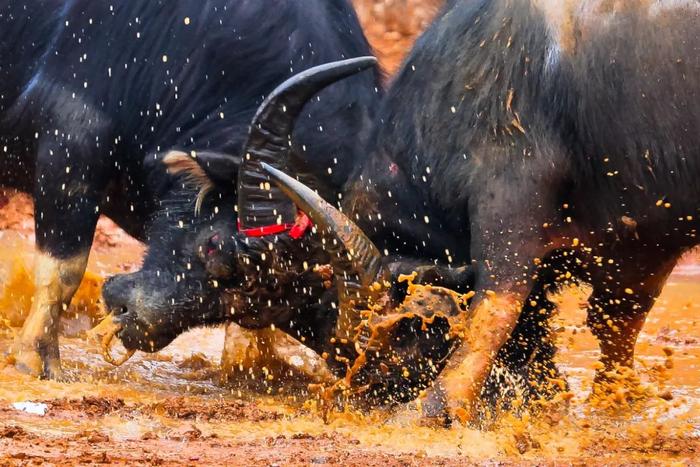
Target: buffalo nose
x=117, y=292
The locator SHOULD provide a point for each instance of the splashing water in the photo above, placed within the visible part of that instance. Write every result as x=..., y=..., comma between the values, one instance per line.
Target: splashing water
x=156, y=402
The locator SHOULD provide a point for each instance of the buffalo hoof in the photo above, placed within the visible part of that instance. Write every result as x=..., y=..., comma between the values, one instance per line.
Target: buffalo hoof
x=435, y=413
x=33, y=359
x=423, y=412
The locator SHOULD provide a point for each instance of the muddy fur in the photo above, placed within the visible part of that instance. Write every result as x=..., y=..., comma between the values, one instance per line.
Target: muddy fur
x=531, y=145
x=94, y=94
x=509, y=144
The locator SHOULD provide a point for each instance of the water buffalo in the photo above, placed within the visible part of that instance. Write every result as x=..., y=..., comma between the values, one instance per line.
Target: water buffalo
x=94, y=94
x=541, y=140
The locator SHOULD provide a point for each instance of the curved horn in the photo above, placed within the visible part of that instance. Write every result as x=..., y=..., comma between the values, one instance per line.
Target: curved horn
x=357, y=264
x=269, y=136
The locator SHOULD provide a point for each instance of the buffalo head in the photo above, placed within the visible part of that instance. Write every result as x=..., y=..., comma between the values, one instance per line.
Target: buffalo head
x=297, y=262
x=386, y=347
x=400, y=346
x=195, y=248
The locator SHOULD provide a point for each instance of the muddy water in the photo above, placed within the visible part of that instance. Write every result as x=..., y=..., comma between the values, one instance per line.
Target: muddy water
x=168, y=408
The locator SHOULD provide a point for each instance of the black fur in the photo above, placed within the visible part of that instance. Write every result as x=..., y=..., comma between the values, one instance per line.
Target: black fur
x=500, y=148
x=497, y=147
x=93, y=93
x=330, y=136
x=519, y=134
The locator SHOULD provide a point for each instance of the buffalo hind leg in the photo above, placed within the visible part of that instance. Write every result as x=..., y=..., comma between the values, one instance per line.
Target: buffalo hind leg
x=618, y=308
x=67, y=194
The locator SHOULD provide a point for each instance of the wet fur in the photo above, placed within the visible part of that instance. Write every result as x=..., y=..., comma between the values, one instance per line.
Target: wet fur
x=94, y=93
x=519, y=132
x=499, y=144
x=493, y=62
x=149, y=105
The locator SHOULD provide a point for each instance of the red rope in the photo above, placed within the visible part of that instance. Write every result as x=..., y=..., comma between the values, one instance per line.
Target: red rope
x=301, y=224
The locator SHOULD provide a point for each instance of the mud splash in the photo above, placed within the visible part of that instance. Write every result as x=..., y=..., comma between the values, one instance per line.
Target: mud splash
x=400, y=351
x=169, y=408
x=17, y=289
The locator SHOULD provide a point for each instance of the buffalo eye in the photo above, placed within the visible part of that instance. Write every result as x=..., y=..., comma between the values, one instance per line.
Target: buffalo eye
x=218, y=256
x=209, y=247
x=213, y=244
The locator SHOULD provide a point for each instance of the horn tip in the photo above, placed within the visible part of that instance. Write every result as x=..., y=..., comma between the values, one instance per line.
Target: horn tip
x=275, y=174
x=365, y=61
x=266, y=167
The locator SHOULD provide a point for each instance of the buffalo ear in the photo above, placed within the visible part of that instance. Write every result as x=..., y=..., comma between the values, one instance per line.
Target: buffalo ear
x=219, y=168
x=203, y=169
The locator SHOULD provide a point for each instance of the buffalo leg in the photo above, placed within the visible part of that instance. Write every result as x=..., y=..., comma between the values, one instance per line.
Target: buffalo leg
x=527, y=355
x=280, y=356
x=487, y=329
x=529, y=352
x=507, y=244
x=66, y=196
x=618, y=308
x=491, y=320
x=36, y=349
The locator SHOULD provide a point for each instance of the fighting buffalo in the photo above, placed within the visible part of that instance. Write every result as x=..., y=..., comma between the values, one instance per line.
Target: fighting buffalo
x=543, y=140
x=528, y=142
x=95, y=95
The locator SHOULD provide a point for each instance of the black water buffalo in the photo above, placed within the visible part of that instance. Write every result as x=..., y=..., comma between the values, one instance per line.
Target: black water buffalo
x=554, y=139
x=541, y=140
x=94, y=94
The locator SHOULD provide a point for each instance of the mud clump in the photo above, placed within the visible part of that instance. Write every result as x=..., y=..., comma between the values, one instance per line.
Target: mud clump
x=14, y=432
x=191, y=433
x=92, y=437
x=197, y=362
x=179, y=408
x=667, y=335
x=88, y=406
x=221, y=410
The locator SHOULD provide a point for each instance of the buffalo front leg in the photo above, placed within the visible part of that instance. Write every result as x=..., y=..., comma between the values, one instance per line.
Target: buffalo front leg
x=66, y=199
x=489, y=325
x=508, y=210
x=36, y=348
x=527, y=355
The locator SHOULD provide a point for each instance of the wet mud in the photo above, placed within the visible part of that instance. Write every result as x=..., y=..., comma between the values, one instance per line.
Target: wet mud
x=170, y=408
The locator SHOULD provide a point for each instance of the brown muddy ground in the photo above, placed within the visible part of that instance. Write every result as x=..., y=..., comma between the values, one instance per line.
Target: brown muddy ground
x=168, y=408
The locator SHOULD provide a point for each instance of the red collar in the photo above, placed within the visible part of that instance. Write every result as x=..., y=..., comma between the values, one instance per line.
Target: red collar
x=301, y=224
